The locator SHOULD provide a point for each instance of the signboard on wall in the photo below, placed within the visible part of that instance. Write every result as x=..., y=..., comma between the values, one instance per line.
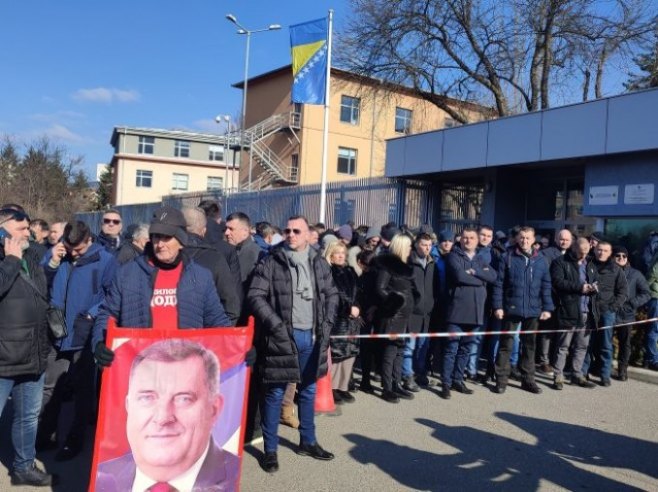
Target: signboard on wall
x=639, y=194
x=603, y=195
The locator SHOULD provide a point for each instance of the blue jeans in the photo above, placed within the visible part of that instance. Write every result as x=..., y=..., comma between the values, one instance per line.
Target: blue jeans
x=455, y=354
x=308, y=356
x=408, y=358
x=420, y=356
x=600, y=347
x=651, y=340
x=26, y=393
x=494, y=343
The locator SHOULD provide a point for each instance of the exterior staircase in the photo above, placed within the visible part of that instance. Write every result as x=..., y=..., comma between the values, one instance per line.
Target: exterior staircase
x=275, y=170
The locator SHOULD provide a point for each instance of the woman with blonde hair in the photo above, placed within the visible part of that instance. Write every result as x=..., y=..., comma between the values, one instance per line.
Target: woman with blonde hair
x=343, y=350
x=396, y=295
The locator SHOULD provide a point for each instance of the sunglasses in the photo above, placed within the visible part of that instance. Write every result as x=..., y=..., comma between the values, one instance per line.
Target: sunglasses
x=621, y=255
x=14, y=215
x=288, y=232
x=112, y=221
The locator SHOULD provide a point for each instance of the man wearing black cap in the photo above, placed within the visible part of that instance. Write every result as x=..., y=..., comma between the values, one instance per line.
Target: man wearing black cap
x=386, y=235
x=638, y=295
x=164, y=288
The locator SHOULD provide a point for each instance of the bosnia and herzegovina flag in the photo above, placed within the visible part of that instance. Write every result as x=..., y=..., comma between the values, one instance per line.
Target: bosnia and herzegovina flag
x=308, y=42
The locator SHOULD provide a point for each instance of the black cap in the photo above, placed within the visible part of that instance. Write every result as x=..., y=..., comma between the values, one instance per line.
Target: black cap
x=169, y=221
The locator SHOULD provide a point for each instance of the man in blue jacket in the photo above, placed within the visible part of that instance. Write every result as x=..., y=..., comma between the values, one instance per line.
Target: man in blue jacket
x=521, y=297
x=80, y=280
x=467, y=274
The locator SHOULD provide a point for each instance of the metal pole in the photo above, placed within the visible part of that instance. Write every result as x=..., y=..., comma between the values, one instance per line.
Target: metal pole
x=325, y=134
x=244, y=102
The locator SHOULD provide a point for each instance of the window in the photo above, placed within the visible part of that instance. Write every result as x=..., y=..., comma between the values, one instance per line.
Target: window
x=402, y=120
x=216, y=152
x=144, y=179
x=146, y=145
x=346, y=161
x=349, y=109
x=180, y=181
x=214, y=183
x=181, y=148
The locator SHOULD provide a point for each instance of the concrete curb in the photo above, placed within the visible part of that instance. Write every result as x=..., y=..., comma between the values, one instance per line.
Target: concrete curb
x=644, y=375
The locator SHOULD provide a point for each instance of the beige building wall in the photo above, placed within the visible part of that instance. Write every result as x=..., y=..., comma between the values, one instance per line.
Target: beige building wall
x=270, y=95
x=127, y=191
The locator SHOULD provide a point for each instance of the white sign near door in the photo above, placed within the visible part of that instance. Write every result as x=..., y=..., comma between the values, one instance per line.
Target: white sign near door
x=638, y=194
x=603, y=195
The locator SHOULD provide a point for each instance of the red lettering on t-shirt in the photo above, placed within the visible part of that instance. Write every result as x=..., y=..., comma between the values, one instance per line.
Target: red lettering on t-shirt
x=164, y=302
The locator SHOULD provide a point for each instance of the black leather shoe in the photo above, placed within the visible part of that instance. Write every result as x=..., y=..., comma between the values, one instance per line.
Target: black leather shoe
x=515, y=374
x=605, y=382
x=462, y=388
x=270, y=462
x=500, y=388
x=315, y=451
x=338, y=399
x=531, y=386
x=390, y=396
x=346, y=396
x=410, y=385
x=33, y=476
x=403, y=393
x=583, y=382
x=445, y=392
x=367, y=387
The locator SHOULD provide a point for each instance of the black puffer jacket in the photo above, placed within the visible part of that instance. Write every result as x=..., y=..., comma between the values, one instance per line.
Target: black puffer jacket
x=565, y=277
x=638, y=294
x=613, y=290
x=427, y=283
x=24, y=334
x=396, y=294
x=345, y=279
x=226, y=284
x=270, y=297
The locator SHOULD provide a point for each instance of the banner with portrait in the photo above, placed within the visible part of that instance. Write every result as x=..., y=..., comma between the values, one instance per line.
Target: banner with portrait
x=172, y=410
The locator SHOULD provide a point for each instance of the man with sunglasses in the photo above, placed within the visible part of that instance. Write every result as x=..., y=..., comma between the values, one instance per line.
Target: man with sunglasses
x=294, y=300
x=81, y=276
x=110, y=235
x=638, y=295
x=24, y=342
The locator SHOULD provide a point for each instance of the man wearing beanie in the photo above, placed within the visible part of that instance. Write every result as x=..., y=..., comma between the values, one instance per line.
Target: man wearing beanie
x=344, y=234
x=163, y=288
x=638, y=295
x=386, y=235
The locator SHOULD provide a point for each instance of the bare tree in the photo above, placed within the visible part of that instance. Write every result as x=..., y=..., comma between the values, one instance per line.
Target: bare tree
x=514, y=55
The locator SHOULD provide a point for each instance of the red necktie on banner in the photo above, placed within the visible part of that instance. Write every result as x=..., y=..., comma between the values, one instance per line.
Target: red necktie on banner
x=161, y=487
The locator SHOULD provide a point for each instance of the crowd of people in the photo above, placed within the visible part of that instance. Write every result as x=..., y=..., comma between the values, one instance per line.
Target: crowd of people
x=321, y=299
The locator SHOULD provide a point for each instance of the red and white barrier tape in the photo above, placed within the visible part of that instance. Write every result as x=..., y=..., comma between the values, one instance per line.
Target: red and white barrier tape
x=394, y=336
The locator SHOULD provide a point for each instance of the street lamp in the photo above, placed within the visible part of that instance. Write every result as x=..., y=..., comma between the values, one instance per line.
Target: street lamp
x=225, y=118
x=243, y=30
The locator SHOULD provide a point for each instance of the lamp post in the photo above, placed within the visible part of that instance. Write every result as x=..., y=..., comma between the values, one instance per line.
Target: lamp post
x=225, y=118
x=248, y=32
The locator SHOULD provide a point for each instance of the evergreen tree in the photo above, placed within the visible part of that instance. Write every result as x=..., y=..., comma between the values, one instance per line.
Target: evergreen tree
x=104, y=193
x=648, y=65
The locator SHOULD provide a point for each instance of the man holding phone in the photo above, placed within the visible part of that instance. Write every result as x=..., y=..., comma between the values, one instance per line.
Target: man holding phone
x=24, y=342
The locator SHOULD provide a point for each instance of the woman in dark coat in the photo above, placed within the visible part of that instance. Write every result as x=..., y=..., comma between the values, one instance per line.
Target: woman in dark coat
x=396, y=293
x=343, y=350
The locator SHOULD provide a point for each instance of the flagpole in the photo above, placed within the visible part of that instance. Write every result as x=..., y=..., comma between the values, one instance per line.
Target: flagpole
x=325, y=134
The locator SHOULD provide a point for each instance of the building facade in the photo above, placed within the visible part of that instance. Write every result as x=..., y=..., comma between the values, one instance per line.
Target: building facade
x=150, y=163
x=585, y=167
x=284, y=140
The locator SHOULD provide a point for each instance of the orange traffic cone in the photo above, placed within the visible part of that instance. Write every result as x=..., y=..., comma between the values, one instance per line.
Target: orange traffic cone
x=324, y=398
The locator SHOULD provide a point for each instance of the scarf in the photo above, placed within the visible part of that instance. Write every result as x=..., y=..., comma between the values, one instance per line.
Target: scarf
x=299, y=260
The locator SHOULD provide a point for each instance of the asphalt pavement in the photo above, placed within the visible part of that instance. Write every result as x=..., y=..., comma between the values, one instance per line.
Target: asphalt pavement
x=577, y=439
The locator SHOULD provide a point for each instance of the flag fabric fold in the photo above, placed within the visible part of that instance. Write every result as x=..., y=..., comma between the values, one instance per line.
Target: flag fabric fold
x=309, y=46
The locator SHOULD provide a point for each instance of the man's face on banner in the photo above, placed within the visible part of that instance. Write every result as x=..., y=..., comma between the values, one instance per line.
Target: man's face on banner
x=170, y=416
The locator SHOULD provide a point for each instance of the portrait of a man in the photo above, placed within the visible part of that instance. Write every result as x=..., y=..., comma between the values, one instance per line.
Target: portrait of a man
x=173, y=402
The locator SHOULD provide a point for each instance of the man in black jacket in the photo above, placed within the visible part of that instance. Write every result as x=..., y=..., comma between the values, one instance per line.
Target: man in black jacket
x=612, y=293
x=294, y=300
x=426, y=278
x=238, y=234
x=208, y=257
x=24, y=342
x=574, y=280
x=638, y=295
x=110, y=235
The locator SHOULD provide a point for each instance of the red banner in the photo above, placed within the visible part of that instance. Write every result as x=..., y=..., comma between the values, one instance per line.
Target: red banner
x=172, y=410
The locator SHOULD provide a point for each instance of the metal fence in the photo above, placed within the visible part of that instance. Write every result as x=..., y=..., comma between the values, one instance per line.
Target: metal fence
x=369, y=201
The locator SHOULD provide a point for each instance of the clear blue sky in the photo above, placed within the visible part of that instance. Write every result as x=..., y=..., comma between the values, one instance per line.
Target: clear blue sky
x=72, y=70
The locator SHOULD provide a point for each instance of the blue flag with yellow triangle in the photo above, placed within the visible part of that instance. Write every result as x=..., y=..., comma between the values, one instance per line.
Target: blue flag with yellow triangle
x=308, y=42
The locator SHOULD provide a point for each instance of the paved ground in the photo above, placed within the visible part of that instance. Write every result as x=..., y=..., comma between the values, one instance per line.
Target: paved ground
x=600, y=439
